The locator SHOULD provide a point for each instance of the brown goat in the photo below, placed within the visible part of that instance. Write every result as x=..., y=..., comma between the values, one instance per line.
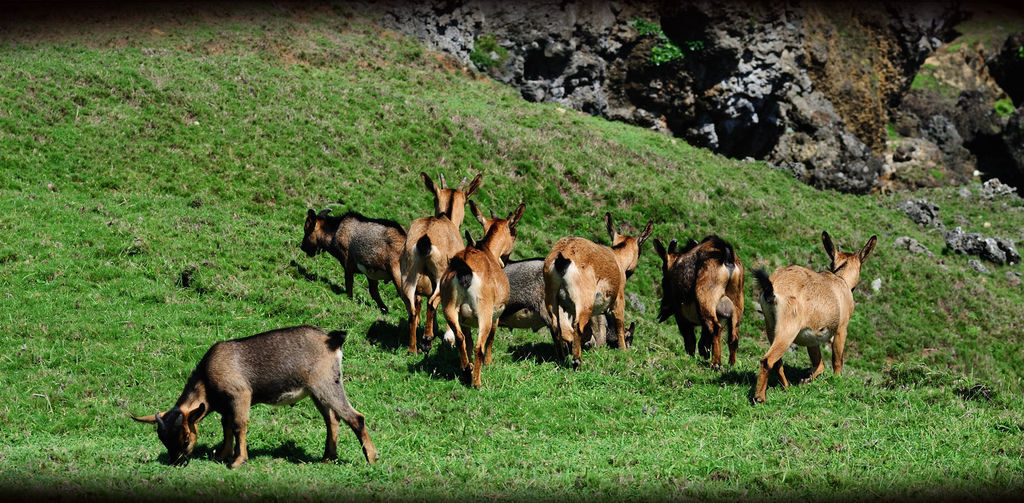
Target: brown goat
x=586, y=279
x=279, y=367
x=475, y=290
x=368, y=245
x=702, y=285
x=430, y=243
x=810, y=309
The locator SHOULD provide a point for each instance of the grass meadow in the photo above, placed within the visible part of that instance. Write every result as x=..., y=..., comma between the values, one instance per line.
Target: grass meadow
x=144, y=144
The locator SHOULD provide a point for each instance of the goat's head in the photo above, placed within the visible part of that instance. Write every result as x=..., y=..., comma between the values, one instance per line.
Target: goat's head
x=499, y=233
x=626, y=248
x=668, y=256
x=313, y=232
x=177, y=431
x=847, y=265
x=451, y=202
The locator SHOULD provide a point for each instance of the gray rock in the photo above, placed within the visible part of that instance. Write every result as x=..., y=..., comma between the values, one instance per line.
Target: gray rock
x=993, y=189
x=912, y=245
x=978, y=266
x=923, y=212
x=996, y=250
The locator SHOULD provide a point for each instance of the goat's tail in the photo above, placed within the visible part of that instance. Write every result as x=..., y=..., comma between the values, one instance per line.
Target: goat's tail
x=562, y=264
x=767, y=290
x=462, y=272
x=423, y=246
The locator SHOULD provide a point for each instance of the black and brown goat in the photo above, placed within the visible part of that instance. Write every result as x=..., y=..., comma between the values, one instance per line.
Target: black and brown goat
x=585, y=279
x=371, y=246
x=279, y=367
x=429, y=245
x=702, y=285
x=475, y=290
x=810, y=309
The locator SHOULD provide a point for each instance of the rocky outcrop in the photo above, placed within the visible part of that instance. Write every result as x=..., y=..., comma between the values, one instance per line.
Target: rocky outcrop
x=818, y=89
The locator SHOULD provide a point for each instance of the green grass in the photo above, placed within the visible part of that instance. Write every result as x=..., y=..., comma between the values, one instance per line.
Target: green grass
x=129, y=157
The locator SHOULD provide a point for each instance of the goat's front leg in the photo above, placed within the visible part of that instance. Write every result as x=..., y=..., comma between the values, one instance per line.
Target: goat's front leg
x=619, y=315
x=239, y=427
x=817, y=365
x=349, y=276
x=686, y=330
x=227, y=447
x=838, y=346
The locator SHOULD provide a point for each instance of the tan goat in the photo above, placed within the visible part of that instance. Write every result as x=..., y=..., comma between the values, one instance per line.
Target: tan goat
x=586, y=279
x=475, y=290
x=430, y=242
x=810, y=309
x=703, y=285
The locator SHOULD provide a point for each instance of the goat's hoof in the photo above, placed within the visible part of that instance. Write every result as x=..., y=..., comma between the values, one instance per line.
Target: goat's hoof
x=758, y=399
x=717, y=367
x=805, y=380
x=384, y=309
x=575, y=363
x=467, y=374
x=236, y=463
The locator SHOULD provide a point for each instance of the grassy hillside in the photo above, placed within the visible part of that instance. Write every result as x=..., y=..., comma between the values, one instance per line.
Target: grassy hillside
x=140, y=147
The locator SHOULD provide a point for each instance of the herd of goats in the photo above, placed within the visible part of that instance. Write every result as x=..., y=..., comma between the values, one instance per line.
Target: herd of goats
x=577, y=292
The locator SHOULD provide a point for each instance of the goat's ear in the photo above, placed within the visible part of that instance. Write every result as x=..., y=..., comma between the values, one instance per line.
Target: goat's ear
x=868, y=247
x=194, y=416
x=475, y=184
x=830, y=248
x=608, y=226
x=310, y=214
x=644, y=234
x=151, y=419
x=476, y=213
x=513, y=218
x=672, y=245
x=428, y=182
x=660, y=249
x=469, y=239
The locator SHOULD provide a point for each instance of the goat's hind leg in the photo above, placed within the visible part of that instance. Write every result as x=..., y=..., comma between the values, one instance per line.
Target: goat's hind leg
x=375, y=295
x=772, y=360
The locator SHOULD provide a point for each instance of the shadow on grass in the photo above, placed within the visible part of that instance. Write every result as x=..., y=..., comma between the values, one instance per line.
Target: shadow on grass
x=314, y=277
x=748, y=379
x=539, y=352
x=391, y=338
x=290, y=452
x=287, y=451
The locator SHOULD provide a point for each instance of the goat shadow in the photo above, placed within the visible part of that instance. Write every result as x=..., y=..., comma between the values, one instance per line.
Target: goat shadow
x=442, y=362
x=314, y=277
x=748, y=378
x=288, y=451
x=542, y=352
x=388, y=336
x=539, y=352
